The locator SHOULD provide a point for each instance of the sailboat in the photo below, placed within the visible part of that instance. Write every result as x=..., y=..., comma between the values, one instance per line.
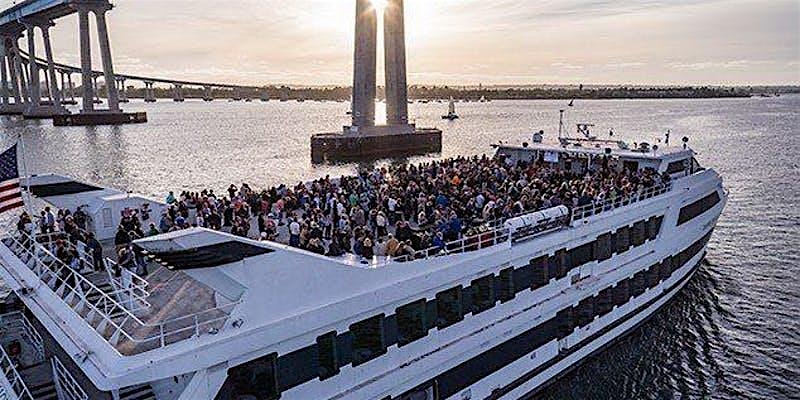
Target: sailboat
x=451, y=113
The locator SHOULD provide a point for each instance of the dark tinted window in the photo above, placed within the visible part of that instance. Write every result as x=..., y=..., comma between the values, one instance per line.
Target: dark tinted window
x=505, y=285
x=665, y=271
x=411, y=322
x=653, y=227
x=368, y=339
x=327, y=356
x=698, y=207
x=604, y=301
x=638, y=284
x=541, y=275
x=602, y=247
x=448, y=307
x=483, y=294
x=585, y=313
x=564, y=319
x=653, y=275
x=638, y=233
x=622, y=292
x=256, y=378
x=623, y=239
x=581, y=255
x=677, y=166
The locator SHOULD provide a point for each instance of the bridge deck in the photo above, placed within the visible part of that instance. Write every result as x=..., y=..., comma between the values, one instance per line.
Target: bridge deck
x=11, y=18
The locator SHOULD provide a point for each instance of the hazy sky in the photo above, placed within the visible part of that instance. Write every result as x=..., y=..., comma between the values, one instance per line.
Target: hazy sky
x=460, y=41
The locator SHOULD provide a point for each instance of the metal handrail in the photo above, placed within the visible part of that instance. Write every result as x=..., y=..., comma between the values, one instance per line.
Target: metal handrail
x=25, y=329
x=588, y=210
x=478, y=241
x=108, y=308
x=16, y=384
x=66, y=385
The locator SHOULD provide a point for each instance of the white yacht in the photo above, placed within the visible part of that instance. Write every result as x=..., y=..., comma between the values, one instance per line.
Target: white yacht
x=494, y=316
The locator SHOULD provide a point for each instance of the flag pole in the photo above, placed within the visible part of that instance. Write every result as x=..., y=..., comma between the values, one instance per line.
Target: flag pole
x=27, y=178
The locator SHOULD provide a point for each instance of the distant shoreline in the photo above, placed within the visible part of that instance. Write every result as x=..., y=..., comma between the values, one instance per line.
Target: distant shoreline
x=444, y=93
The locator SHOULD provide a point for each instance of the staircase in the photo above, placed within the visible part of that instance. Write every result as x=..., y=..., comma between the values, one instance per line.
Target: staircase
x=44, y=391
x=93, y=302
x=141, y=392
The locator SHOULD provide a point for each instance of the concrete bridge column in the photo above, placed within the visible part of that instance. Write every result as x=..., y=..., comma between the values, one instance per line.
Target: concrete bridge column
x=17, y=74
x=86, y=60
x=364, y=64
x=33, y=71
x=51, y=67
x=177, y=91
x=395, y=56
x=96, y=89
x=105, y=55
x=4, y=98
x=264, y=94
x=208, y=94
x=149, y=92
x=123, y=94
x=237, y=94
x=71, y=86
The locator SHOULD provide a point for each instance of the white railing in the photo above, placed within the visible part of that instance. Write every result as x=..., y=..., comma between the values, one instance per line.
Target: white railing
x=19, y=323
x=588, y=210
x=66, y=386
x=131, y=288
x=13, y=381
x=50, y=240
x=478, y=241
x=123, y=323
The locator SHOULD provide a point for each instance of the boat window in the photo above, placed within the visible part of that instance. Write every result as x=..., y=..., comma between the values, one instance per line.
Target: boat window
x=697, y=208
x=622, y=292
x=638, y=233
x=448, y=307
x=638, y=283
x=368, y=339
x=256, y=378
x=666, y=268
x=602, y=247
x=653, y=275
x=429, y=391
x=585, y=312
x=505, y=285
x=565, y=322
x=558, y=265
x=411, y=322
x=482, y=294
x=653, y=227
x=622, y=241
x=327, y=355
x=604, y=301
x=581, y=255
x=541, y=275
x=108, y=221
x=677, y=166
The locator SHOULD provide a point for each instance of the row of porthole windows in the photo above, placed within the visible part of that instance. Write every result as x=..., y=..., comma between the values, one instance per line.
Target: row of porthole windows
x=369, y=338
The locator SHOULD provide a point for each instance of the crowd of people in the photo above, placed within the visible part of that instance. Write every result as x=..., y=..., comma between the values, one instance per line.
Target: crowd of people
x=401, y=209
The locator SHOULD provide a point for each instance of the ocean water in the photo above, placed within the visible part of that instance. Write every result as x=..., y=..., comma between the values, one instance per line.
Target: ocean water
x=732, y=333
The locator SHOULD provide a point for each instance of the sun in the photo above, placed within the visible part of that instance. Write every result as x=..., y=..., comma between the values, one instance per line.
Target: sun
x=380, y=5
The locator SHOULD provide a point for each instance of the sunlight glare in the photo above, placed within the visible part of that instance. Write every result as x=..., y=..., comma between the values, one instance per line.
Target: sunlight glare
x=380, y=5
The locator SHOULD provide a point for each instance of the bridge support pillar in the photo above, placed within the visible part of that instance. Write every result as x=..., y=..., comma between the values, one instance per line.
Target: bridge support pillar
x=237, y=94
x=19, y=74
x=86, y=60
x=177, y=93
x=264, y=95
x=123, y=94
x=33, y=71
x=55, y=96
x=8, y=80
x=149, y=92
x=105, y=56
x=208, y=93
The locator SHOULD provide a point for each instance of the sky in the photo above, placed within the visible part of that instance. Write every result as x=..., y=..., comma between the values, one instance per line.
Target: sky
x=459, y=42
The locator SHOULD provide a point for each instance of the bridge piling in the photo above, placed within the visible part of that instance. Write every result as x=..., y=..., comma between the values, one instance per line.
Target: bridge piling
x=51, y=69
x=105, y=56
x=177, y=93
x=86, y=60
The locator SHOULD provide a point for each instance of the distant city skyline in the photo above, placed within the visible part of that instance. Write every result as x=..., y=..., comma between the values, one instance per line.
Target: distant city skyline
x=460, y=42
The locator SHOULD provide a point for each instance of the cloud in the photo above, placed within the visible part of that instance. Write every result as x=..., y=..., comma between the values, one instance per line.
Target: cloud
x=566, y=65
x=625, y=65
x=731, y=64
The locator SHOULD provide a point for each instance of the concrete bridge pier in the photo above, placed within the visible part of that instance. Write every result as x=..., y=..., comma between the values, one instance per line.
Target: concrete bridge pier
x=208, y=94
x=264, y=95
x=18, y=70
x=36, y=109
x=237, y=94
x=89, y=115
x=123, y=94
x=96, y=90
x=149, y=92
x=8, y=76
x=177, y=93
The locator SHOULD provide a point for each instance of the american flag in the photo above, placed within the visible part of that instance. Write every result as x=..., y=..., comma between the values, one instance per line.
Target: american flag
x=10, y=192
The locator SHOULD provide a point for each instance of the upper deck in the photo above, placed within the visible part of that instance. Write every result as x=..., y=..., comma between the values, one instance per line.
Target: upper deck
x=205, y=288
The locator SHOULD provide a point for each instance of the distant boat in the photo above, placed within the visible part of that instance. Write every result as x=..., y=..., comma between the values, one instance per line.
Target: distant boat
x=451, y=112
x=483, y=99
